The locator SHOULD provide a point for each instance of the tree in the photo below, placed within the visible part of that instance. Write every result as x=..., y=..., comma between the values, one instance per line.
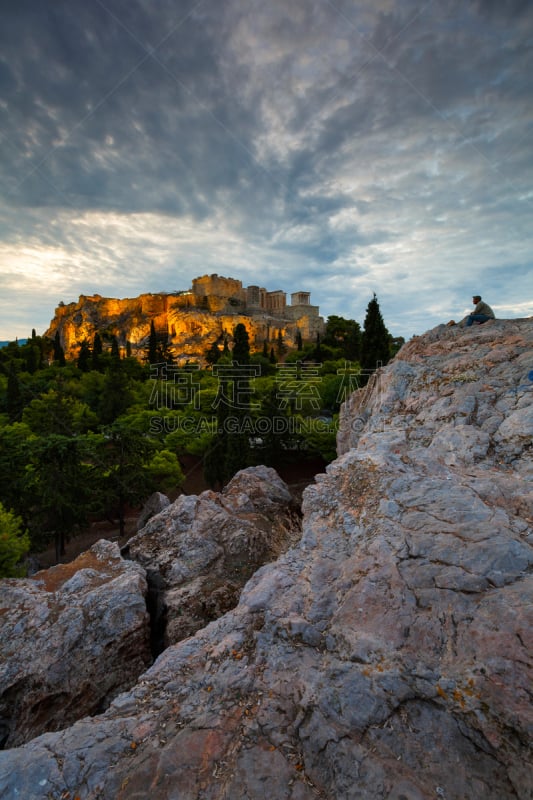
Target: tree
x=212, y=354
x=318, y=350
x=33, y=357
x=124, y=480
x=14, y=456
x=238, y=449
x=241, y=344
x=299, y=343
x=345, y=335
x=215, y=456
x=165, y=471
x=281, y=348
x=97, y=351
x=152, y=354
x=376, y=338
x=56, y=412
x=84, y=356
x=116, y=395
x=14, y=544
x=59, y=353
x=14, y=396
x=59, y=486
x=115, y=352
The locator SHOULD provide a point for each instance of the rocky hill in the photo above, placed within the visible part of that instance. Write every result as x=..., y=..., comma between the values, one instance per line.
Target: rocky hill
x=190, y=321
x=388, y=653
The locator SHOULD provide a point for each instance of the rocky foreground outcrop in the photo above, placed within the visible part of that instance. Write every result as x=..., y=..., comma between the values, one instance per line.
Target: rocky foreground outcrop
x=199, y=551
x=71, y=639
x=388, y=654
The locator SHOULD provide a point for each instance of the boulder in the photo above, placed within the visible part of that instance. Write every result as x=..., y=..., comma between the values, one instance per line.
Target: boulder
x=71, y=638
x=200, y=550
x=155, y=503
x=387, y=654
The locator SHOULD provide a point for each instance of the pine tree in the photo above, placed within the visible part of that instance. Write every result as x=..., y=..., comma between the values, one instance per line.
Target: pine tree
x=376, y=338
x=59, y=486
x=116, y=395
x=215, y=457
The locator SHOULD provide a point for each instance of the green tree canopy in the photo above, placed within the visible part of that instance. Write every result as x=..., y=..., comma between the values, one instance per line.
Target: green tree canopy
x=14, y=544
x=344, y=334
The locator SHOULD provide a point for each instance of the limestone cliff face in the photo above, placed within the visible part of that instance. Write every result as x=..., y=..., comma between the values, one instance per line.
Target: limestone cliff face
x=388, y=654
x=192, y=322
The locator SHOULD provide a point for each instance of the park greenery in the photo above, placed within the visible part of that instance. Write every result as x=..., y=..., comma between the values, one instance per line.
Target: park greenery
x=89, y=439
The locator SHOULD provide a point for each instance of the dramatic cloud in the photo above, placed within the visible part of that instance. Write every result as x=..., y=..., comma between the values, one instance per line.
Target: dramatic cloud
x=339, y=147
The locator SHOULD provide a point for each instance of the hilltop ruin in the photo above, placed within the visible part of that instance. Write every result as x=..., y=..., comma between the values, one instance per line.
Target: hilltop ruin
x=189, y=320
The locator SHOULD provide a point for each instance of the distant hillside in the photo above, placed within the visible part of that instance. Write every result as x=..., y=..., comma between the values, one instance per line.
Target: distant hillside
x=5, y=342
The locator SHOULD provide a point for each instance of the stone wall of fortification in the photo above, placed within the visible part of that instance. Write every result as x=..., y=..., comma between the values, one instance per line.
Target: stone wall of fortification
x=217, y=286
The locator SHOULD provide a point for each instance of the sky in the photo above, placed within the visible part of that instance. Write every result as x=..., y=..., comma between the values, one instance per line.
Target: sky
x=340, y=147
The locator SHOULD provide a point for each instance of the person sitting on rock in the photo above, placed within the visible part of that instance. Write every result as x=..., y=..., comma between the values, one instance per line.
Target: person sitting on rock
x=481, y=313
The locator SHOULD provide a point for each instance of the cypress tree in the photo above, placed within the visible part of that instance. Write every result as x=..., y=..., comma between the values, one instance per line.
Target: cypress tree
x=318, y=349
x=59, y=353
x=152, y=345
x=376, y=338
x=241, y=345
x=115, y=352
x=32, y=357
x=280, y=344
x=212, y=354
x=84, y=356
x=97, y=351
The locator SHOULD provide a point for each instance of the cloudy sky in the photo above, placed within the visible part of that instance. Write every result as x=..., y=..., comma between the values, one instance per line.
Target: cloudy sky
x=342, y=147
